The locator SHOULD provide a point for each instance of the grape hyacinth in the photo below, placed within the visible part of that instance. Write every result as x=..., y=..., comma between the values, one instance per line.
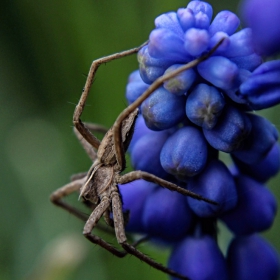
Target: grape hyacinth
x=182, y=128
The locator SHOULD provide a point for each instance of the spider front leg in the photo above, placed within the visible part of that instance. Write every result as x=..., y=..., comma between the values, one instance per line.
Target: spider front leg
x=57, y=196
x=80, y=126
x=122, y=240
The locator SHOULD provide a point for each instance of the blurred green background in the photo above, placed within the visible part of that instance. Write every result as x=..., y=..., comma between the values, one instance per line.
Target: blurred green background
x=46, y=50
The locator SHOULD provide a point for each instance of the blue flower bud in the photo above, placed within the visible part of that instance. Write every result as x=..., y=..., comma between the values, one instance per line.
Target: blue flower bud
x=217, y=184
x=259, y=142
x=196, y=41
x=165, y=43
x=180, y=83
x=185, y=152
x=146, y=152
x=262, y=88
x=198, y=258
x=248, y=62
x=200, y=7
x=240, y=44
x=166, y=215
x=186, y=18
x=229, y=133
x=151, y=68
x=252, y=258
x=204, y=105
x=169, y=21
x=262, y=17
x=220, y=72
x=263, y=170
x=135, y=87
x=255, y=210
x=162, y=109
x=134, y=195
x=224, y=21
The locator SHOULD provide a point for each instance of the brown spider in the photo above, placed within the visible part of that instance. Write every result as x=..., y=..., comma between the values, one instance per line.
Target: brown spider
x=100, y=185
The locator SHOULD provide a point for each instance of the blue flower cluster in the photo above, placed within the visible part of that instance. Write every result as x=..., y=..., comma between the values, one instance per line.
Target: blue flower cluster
x=181, y=130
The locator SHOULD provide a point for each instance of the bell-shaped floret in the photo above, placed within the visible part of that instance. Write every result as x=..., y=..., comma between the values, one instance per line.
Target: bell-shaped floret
x=263, y=170
x=224, y=21
x=202, y=12
x=255, y=210
x=262, y=17
x=185, y=153
x=145, y=154
x=151, y=68
x=248, y=62
x=163, y=110
x=196, y=41
x=220, y=71
x=164, y=43
x=166, y=215
x=135, y=87
x=169, y=21
x=182, y=82
x=204, y=106
x=262, y=137
x=240, y=44
x=134, y=195
x=217, y=184
x=229, y=133
x=262, y=88
x=198, y=258
x=252, y=258
x=186, y=18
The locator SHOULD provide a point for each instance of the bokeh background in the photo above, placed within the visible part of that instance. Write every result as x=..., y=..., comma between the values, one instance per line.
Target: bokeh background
x=46, y=50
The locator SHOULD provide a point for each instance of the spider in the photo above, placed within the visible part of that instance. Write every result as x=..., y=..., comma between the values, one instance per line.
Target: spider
x=99, y=186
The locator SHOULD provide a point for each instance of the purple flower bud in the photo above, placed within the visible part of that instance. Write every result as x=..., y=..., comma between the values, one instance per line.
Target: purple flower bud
x=259, y=142
x=262, y=88
x=166, y=215
x=216, y=183
x=248, y=62
x=252, y=258
x=198, y=258
x=135, y=87
x=224, y=21
x=134, y=195
x=163, y=109
x=146, y=152
x=196, y=41
x=185, y=152
x=180, y=83
x=262, y=17
x=151, y=68
x=263, y=170
x=240, y=44
x=229, y=133
x=204, y=105
x=169, y=21
x=255, y=210
x=186, y=18
x=201, y=6
x=166, y=44
x=220, y=72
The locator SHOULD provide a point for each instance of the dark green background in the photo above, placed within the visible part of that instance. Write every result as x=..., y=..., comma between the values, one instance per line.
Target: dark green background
x=46, y=50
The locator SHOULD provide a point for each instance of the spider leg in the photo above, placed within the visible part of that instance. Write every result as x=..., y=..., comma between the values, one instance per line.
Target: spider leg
x=135, y=175
x=122, y=240
x=85, y=144
x=77, y=176
x=57, y=196
x=90, y=138
x=92, y=222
